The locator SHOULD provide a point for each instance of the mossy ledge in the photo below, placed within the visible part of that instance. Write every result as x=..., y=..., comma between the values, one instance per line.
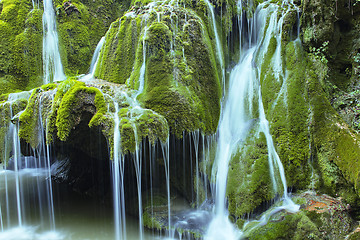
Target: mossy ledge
x=64, y=105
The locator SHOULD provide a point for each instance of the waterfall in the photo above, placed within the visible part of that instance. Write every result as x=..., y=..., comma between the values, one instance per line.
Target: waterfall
x=138, y=172
x=118, y=181
x=94, y=61
x=143, y=65
x=34, y=3
x=237, y=117
x=165, y=152
x=30, y=177
x=95, y=58
x=53, y=69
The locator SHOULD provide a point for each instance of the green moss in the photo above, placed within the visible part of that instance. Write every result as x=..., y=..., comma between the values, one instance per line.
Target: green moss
x=183, y=89
x=152, y=125
x=354, y=236
x=4, y=97
x=336, y=145
x=128, y=141
x=49, y=86
x=249, y=183
x=69, y=106
x=62, y=88
x=288, y=114
x=183, y=104
x=80, y=28
x=117, y=59
x=29, y=120
x=150, y=222
x=20, y=51
x=5, y=116
x=291, y=226
x=152, y=217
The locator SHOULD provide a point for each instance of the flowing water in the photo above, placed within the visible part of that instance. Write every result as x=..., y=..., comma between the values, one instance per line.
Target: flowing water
x=242, y=107
x=118, y=182
x=52, y=66
x=58, y=213
x=95, y=58
x=94, y=61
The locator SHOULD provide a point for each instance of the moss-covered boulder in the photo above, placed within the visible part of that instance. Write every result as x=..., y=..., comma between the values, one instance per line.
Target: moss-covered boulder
x=181, y=81
x=59, y=109
x=20, y=47
x=81, y=24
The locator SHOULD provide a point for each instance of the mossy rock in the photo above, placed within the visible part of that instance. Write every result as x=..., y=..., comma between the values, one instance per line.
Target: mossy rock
x=65, y=105
x=81, y=24
x=20, y=51
x=7, y=111
x=285, y=226
x=184, y=88
x=249, y=183
x=287, y=107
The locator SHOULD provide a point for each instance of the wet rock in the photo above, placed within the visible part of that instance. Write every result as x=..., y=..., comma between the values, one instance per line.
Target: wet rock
x=70, y=8
x=24, y=162
x=331, y=215
x=60, y=170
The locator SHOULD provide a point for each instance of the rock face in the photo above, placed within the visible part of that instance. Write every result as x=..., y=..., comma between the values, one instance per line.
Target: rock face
x=20, y=48
x=160, y=73
x=81, y=24
x=320, y=217
x=168, y=48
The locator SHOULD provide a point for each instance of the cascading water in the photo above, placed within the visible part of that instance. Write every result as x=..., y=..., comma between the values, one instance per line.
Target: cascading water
x=30, y=177
x=118, y=181
x=94, y=61
x=242, y=112
x=142, y=69
x=95, y=58
x=53, y=69
x=243, y=105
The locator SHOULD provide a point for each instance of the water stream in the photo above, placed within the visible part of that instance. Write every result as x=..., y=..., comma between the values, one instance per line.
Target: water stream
x=94, y=61
x=243, y=106
x=29, y=183
x=53, y=69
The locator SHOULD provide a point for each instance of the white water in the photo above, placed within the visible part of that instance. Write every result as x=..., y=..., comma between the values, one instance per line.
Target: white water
x=34, y=3
x=53, y=69
x=236, y=122
x=143, y=65
x=94, y=61
x=118, y=181
x=26, y=189
x=138, y=172
x=166, y=157
x=95, y=58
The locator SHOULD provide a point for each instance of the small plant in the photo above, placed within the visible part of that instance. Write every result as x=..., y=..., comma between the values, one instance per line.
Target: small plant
x=356, y=58
x=319, y=53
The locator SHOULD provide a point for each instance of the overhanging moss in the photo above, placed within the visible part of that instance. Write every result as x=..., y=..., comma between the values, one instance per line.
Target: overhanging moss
x=29, y=120
x=67, y=112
